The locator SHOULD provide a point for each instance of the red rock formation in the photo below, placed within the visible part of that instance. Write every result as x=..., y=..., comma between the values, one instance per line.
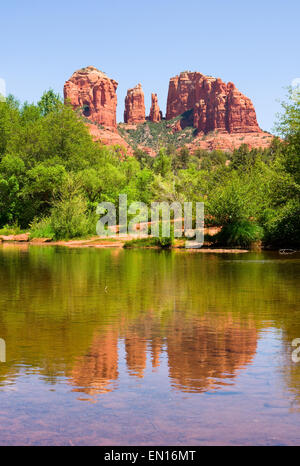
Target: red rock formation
x=109, y=138
x=95, y=93
x=213, y=104
x=241, y=112
x=230, y=141
x=208, y=104
x=135, y=106
x=155, y=113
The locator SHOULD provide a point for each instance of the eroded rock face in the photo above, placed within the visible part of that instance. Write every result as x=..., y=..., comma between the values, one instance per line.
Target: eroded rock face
x=135, y=106
x=155, y=113
x=109, y=138
x=211, y=104
x=95, y=94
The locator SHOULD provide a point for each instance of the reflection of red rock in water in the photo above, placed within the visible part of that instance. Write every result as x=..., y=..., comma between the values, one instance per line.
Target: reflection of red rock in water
x=199, y=354
x=96, y=371
x=136, y=347
x=156, y=347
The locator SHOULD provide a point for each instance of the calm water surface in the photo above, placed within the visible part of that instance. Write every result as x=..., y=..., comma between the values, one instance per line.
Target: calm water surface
x=115, y=347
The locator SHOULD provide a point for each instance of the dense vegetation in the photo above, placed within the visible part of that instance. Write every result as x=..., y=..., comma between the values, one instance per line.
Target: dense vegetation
x=52, y=176
x=155, y=135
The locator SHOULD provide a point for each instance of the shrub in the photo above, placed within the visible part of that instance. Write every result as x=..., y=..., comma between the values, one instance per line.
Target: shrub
x=163, y=243
x=283, y=225
x=240, y=234
x=41, y=228
x=13, y=229
x=69, y=218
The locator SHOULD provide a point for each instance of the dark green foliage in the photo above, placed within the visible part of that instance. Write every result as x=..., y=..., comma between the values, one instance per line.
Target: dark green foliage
x=241, y=234
x=282, y=226
x=163, y=243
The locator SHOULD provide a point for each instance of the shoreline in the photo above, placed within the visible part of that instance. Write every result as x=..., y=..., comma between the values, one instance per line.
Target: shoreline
x=119, y=243
x=101, y=243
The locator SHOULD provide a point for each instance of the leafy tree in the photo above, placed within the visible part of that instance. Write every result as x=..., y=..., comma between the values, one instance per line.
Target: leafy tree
x=162, y=163
x=9, y=121
x=49, y=102
x=288, y=126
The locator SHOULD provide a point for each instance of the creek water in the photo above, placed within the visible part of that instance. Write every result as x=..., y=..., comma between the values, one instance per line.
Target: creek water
x=146, y=347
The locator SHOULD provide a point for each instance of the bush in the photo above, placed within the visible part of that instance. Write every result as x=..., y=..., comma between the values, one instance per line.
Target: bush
x=163, y=243
x=69, y=219
x=10, y=230
x=41, y=228
x=240, y=234
x=283, y=225
x=239, y=198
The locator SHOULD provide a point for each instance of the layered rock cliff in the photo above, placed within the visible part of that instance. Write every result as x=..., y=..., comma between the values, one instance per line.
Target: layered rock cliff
x=211, y=104
x=135, y=112
x=94, y=93
x=197, y=105
x=155, y=113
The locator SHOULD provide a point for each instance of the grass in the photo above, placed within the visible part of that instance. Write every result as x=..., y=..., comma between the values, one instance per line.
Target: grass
x=41, y=229
x=8, y=230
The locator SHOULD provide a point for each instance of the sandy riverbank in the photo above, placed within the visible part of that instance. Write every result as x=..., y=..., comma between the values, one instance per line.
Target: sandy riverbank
x=98, y=242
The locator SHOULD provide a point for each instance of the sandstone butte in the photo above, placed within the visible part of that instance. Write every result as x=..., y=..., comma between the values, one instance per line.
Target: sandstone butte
x=95, y=94
x=135, y=111
x=222, y=116
x=155, y=113
x=213, y=104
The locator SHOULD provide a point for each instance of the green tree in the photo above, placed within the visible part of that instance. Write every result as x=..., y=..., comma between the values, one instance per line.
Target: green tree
x=49, y=102
x=162, y=163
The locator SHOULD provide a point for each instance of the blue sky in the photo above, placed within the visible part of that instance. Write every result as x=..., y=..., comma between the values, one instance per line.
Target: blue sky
x=254, y=44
